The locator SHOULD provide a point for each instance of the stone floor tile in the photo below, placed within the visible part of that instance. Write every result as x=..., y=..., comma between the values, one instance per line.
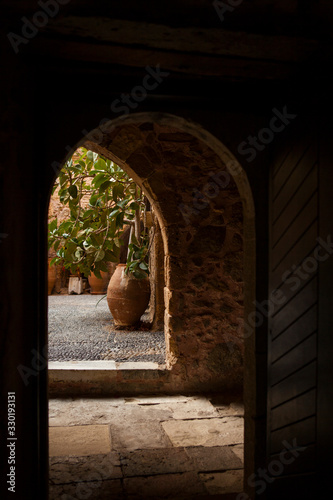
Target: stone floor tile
x=138, y=435
x=205, y=432
x=219, y=483
x=79, y=440
x=228, y=410
x=95, y=490
x=155, y=461
x=176, y=409
x=194, y=408
x=105, y=411
x=69, y=412
x=89, y=468
x=214, y=458
x=182, y=486
x=76, y=411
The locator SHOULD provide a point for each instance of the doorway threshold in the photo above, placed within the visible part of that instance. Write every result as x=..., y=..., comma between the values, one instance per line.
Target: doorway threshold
x=107, y=378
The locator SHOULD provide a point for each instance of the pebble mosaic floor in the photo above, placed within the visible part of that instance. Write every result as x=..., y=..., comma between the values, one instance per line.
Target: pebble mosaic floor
x=80, y=329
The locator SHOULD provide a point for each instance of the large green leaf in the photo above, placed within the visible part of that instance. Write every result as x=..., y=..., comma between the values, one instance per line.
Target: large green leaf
x=62, y=194
x=100, y=164
x=99, y=255
x=114, y=212
x=53, y=225
x=73, y=191
x=93, y=200
x=65, y=226
x=105, y=186
x=117, y=191
x=120, y=219
x=122, y=203
x=100, y=179
x=88, y=213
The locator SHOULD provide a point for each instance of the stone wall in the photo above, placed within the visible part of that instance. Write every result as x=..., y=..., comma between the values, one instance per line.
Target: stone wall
x=201, y=217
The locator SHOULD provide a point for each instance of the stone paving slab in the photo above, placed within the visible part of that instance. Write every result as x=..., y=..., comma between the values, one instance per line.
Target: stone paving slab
x=219, y=483
x=138, y=435
x=179, y=486
x=94, y=490
x=232, y=409
x=155, y=461
x=104, y=411
x=61, y=406
x=205, y=432
x=213, y=458
x=79, y=440
x=85, y=468
x=173, y=447
x=195, y=408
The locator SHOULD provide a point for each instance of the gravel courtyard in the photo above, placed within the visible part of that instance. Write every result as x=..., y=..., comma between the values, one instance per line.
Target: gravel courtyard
x=79, y=329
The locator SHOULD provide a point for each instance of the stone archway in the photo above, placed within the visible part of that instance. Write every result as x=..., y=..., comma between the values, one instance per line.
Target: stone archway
x=204, y=205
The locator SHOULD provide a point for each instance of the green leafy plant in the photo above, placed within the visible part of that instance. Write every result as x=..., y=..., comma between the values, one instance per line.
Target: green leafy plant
x=102, y=199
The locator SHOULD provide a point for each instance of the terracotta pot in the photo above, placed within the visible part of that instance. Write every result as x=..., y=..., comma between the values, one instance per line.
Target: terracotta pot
x=98, y=286
x=127, y=297
x=51, y=277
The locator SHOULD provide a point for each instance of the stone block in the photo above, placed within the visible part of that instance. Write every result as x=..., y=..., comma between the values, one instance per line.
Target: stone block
x=79, y=440
x=220, y=483
x=198, y=407
x=205, y=432
x=214, y=458
x=155, y=461
x=182, y=486
x=106, y=411
x=138, y=435
x=94, y=490
x=234, y=409
x=89, y=468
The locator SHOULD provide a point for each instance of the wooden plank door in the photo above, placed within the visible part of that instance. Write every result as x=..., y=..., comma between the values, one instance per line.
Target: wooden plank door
x=295, y=253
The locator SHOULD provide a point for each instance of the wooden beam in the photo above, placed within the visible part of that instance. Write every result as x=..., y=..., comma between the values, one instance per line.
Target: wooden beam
x=176, y=63
x=207, y=41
